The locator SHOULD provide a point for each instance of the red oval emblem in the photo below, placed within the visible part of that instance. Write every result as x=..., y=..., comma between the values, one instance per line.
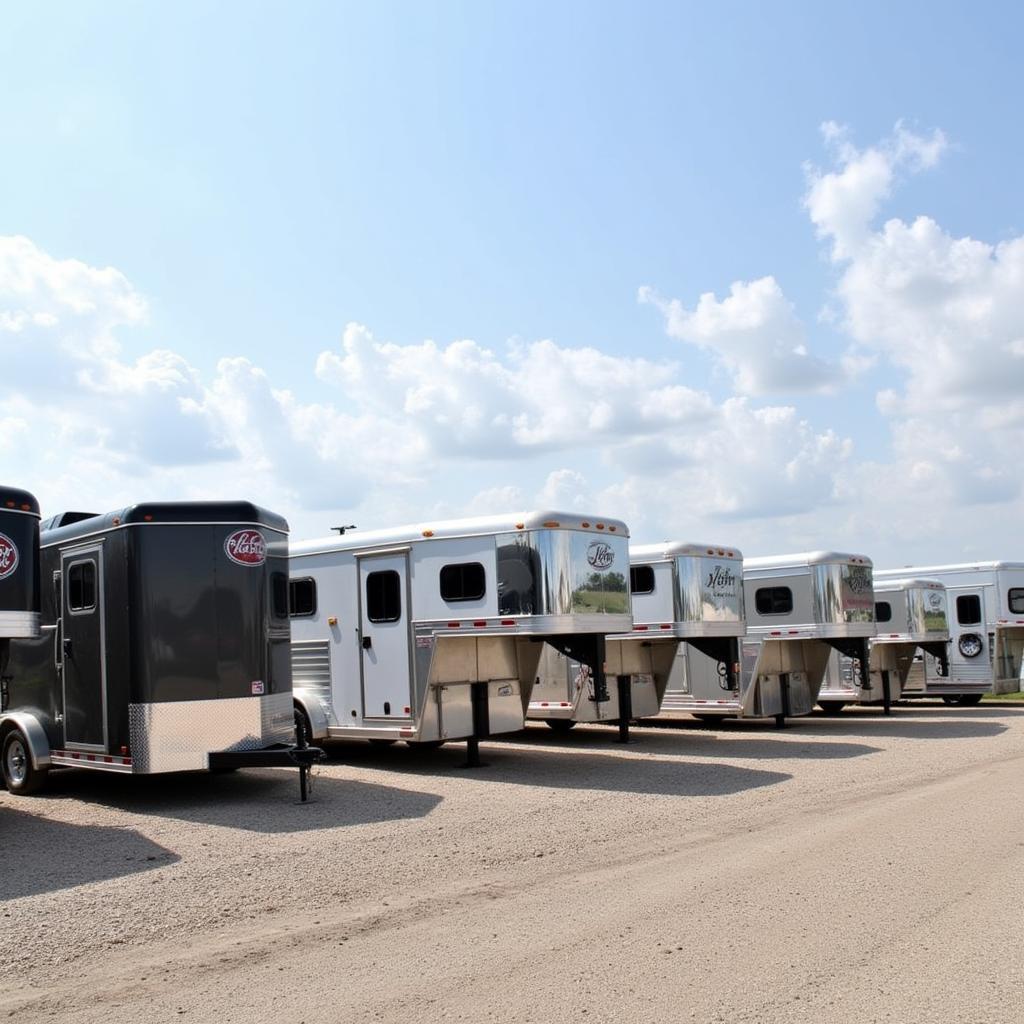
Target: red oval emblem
x=8, y=556
x=246, y=547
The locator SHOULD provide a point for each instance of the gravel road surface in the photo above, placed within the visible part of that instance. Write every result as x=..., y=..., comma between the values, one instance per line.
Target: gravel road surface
x=847, y=869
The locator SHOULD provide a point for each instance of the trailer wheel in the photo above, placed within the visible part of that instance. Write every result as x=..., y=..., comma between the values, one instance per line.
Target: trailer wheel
x=561, y=725
x=831, y=707
x=425, y=744
x=20, y=777
x=963, y=700
x=382, y=743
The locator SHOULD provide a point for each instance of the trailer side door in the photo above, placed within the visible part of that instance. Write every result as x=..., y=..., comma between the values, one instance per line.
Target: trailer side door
x=82, y=650
x=384, y=636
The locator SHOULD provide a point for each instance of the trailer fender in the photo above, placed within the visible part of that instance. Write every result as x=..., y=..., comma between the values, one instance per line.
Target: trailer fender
x=34, y=733
x=312, y=704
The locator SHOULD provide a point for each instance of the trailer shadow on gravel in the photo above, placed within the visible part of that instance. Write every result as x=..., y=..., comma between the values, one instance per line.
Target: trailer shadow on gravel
x=44, y=855
x=861, y=723
x=603, y=770
x=701, y=742
x=262, y=800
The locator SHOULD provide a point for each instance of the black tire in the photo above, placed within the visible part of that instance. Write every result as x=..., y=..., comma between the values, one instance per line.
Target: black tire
x=560, y=725
x=710, y=719
x=831, y=707
x=382, y=742
x=963, y=700
x=20, y=776
x=303, y=728
x=426, y=744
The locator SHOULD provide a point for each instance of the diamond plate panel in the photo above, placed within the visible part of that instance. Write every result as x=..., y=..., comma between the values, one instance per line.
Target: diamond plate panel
x=178, y=736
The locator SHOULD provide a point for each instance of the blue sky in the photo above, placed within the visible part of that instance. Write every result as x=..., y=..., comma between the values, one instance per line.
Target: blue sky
x=258, y=176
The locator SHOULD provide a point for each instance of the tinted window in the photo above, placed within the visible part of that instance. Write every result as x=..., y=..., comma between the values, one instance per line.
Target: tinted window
x=641, y=579
x=464, y=581
x=968, y=609
x=883, y=611
x=518, y=568
x=384, y=596
x=82, y=587
x=774, y=600
x=1015, y=598
x=302, y=597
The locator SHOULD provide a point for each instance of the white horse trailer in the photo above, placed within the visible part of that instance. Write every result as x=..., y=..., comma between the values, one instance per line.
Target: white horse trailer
x=912, y=616
x=680, y=592
x=986, y=604
x=434, y=632
x=799, y=609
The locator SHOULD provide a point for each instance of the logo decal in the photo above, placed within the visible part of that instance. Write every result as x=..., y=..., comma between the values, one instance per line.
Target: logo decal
x=935, y=600
x=8, y=556
x=246, y=547
x=721, y=581
x=600, y=555
x=858, y=579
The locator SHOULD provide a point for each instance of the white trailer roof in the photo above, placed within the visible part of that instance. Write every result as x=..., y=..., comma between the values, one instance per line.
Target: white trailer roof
x=676, y=548
x=479, y=526
x=890, y=584
x=953, y=567
x=804, y=558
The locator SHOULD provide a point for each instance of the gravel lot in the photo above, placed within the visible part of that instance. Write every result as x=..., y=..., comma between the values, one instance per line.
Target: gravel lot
x=849, y=868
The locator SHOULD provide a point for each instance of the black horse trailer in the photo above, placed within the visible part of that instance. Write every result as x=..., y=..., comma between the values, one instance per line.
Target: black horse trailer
x=19, y=567
x=164, y=646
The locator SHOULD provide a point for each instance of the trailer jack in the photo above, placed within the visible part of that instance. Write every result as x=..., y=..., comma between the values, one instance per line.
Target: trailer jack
x=279, y=756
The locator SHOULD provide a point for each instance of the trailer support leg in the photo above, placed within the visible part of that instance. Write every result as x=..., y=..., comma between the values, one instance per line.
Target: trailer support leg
x=886, y=693
x=625, y=685
x=780, y=720
x=303, y=782
x=481, y=723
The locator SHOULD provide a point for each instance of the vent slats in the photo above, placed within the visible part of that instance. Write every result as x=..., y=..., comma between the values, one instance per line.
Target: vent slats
x=311, y=664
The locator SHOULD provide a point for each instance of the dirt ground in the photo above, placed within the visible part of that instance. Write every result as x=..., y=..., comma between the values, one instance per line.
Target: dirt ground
x=855, y=868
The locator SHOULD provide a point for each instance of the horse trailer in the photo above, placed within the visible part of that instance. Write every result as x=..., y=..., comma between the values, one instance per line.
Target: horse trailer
x=912, y=617
x=986, y=605
x=434, y=632
x=799, y=609
x=163, y=646
x=687, y=606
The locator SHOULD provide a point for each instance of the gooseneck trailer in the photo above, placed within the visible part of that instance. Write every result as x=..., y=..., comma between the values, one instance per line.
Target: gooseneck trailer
x=163, y=646
x=986, y=612
x=799, y=609
x=434, y=632
x=687, y=609
x=911, y=616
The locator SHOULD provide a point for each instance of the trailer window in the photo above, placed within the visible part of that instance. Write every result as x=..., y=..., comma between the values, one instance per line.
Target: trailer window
x=463, y=581
x=302, y=597
x=518, y=570
x=641, y=579
x=883, y=611
x=384, y=596
x=968, y=609
x=773, y=601
x=82, y=586
x=1015, y=598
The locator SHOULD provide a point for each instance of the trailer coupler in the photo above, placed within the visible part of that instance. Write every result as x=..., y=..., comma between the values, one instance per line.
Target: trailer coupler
x=280, y=756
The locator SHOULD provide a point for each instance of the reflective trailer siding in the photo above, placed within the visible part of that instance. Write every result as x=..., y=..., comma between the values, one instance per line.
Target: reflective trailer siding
x=709, y=590
x=561, y=572
x=927, y=612
x=843, y=593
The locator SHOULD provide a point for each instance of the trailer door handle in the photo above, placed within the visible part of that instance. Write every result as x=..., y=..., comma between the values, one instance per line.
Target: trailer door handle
x=367, y=642
x=67, y=648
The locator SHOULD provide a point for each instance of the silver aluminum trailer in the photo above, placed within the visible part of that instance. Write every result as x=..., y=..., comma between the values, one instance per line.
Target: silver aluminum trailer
x=686, y=597
x=434, y=632
x=799, y=609
x=986, y=610
x=911, y=614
